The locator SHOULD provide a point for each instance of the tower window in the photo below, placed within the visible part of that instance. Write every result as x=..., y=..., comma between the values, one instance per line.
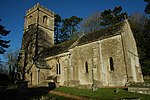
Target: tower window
x=86, y=67
x=29, y=20
x=111, y=64
x=45, y=20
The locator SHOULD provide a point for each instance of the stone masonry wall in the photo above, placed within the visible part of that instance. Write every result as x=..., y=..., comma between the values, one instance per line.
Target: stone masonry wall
x=97, y=55
x=59, y=68
x=131, y=55
x=112, y=48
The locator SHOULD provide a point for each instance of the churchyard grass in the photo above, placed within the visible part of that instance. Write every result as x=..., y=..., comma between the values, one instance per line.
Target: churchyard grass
x=103, y=93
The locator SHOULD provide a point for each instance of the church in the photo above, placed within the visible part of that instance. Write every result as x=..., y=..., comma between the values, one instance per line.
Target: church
x=104, y=58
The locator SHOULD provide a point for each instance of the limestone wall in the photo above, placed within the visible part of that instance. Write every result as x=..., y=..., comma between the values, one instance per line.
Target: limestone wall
x=131, y=55
x=38, y=31
x=79, y=57
x=59, y=68
x=31, y=76
x=97, y=55
x=38, y=76
x=90, y=64
x=45, y=38
x=112, y=48
x=43, y=18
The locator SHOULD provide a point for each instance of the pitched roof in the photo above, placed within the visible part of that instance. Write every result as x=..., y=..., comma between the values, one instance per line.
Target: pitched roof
x=87, y=38
x=101, y=34
x=57, y=49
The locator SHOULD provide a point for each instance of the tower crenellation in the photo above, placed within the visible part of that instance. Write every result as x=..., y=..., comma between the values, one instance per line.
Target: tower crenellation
x=38, y=6
x=41, y=17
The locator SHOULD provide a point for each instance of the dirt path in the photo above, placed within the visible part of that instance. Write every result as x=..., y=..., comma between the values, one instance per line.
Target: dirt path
x=73, y=97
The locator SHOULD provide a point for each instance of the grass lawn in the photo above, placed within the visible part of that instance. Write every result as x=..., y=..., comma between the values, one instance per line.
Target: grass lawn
x=51, y=96
x=102, y=93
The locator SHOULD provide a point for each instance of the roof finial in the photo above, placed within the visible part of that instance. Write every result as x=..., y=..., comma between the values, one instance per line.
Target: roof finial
x=38, y=4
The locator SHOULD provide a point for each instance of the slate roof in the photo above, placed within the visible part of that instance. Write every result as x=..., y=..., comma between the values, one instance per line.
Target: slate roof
x=57, y=49
x=87, y=38
x=101, y=34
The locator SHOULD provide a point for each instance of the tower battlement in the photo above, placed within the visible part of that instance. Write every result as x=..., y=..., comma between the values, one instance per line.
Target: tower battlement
x=41, y=17
x=40, y=7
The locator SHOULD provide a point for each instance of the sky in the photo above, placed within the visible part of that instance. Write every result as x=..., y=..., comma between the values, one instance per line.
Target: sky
x=12, y=12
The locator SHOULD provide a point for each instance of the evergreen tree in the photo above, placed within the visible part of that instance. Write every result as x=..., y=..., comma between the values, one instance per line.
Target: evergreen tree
x=69, y=27
x=57, y=25
x=147, y=8
x=111, y=17
x=3, y=43
x=146, y=61
x=143, y=40
x=12, y=60
x=140, y=27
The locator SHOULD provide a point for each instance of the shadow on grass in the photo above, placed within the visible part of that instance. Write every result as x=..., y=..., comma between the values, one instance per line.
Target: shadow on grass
x=32, y=93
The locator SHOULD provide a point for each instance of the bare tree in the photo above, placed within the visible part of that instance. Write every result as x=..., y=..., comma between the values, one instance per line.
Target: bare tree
x=141, y=30
x=12, y=60
x=137, y=22
x=92, y=23
x=12, y=57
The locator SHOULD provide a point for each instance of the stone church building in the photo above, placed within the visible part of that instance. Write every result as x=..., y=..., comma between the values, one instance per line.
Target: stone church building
x=107, y=57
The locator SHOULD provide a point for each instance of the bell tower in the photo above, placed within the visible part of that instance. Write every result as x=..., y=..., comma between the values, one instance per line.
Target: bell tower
x=43, y=19
x=38, y=35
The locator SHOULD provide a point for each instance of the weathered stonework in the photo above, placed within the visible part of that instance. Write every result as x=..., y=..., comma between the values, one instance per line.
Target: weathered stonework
x=107, y=57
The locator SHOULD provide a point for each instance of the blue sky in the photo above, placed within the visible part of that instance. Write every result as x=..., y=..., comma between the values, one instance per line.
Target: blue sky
x=12, y=12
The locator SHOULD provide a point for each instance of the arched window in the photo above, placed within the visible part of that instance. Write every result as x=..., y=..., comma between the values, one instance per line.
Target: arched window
x=58, y=69
x=111, y=64
x=86, y=67
x=29, y=20
x=45, y=20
